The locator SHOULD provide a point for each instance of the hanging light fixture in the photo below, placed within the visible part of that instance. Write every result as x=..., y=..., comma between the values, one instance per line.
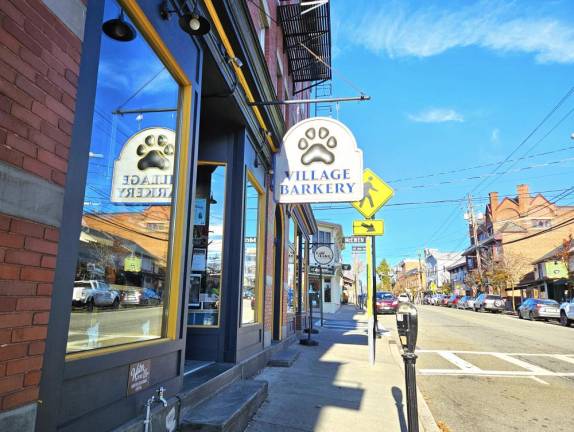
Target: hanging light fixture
x=194, y=23
x=119, y=29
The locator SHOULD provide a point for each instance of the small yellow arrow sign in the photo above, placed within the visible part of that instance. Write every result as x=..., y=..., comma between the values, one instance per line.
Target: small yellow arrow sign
x=369, y=227
x=377, y=193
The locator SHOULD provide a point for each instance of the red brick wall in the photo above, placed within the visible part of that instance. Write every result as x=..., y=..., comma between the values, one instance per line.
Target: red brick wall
x=27, y=261
x=39, y=65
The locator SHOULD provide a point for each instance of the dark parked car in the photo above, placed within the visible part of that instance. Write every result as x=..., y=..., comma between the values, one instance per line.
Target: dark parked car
x=444, y=301
x=534, y=309
x=386, y=303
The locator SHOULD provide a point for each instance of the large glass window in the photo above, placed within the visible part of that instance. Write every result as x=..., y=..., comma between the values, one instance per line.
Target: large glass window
x=207, y=260
x=251, y=242
x=291, y=271
x=122, y=274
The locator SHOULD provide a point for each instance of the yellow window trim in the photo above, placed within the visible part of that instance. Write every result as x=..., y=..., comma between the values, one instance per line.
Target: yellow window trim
x=259, y=243
x=224, y=164
x=281, y=274
x=238, y=72
x=147, y=30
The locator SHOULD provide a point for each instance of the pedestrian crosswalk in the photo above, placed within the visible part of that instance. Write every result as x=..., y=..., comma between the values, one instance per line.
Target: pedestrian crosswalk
x=349, y=327
x=495, y=364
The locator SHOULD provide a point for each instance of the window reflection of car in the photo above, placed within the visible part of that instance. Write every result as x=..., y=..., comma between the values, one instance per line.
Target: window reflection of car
x=94, y=293
x=136, y=296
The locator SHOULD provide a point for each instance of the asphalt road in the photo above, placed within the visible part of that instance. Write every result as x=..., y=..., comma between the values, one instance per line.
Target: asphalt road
x=486, y=372
x=108, y=327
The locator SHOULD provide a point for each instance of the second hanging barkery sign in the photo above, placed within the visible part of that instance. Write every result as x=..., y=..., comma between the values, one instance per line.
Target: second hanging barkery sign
x=319, y=161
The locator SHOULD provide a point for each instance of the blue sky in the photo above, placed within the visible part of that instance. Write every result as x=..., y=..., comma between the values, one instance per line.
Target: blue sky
x=454, y=85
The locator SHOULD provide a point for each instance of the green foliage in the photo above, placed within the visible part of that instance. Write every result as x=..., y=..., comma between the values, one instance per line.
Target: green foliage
x=384, y=273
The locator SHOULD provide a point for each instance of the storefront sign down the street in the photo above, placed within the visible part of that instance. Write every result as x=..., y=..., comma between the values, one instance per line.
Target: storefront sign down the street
x=323, y=255
x=355, y=240
x=319, y=161
x=143, y=172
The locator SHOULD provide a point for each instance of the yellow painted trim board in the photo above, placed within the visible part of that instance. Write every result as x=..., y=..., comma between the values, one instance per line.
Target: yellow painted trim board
x=238, y=72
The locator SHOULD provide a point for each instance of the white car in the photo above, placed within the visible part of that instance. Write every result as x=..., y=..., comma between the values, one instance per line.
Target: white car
x=90, y=293
x=403, y=298
x=567, y=313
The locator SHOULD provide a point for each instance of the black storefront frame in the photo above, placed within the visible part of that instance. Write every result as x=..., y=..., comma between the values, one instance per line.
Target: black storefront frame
x=58, y=373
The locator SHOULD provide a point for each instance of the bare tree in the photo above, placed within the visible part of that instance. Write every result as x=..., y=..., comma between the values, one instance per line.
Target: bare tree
x=506, y=271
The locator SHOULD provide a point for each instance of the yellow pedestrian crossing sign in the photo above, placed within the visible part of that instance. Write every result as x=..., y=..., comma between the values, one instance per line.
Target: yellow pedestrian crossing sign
x=377, y=193
x=369, y=227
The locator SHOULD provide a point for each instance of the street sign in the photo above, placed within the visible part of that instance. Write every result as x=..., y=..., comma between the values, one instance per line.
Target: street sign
x=369, y=227
x=377, y=193
x=323, y=255
x=358, y=248
x=355, y=239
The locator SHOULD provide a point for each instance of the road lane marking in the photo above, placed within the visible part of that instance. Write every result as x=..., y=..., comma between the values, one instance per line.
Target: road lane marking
x=521, y=363
x=538, y=380
x=564, y=358
x=458, y=362
x=482, y=372
x=493, y=353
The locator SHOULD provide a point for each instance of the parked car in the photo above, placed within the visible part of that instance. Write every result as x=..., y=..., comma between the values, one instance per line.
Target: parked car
x=444, y=301
x=489, y=302
x=470, y=302
x=462, y=303
x=567, y=313
x=386, y=303
x=452, y=300
x=136, y=296
x=404, y=298
x=92, y=293
x=534, y=309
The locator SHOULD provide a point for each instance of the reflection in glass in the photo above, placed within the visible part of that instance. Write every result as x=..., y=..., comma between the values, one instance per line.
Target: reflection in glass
x=250, y=243
x=206, y=266
x=292, y=262
x=121, y=282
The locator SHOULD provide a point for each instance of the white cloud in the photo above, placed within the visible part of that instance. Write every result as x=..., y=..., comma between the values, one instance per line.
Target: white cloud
x=495, y=135
x=394, y=29
x=436, y=115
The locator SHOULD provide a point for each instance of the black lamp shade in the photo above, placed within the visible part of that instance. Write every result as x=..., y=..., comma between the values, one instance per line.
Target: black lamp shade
x=118, y=29
x=194, y=24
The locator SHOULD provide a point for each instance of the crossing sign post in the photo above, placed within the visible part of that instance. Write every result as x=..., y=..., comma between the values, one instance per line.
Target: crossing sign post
x=377, y=193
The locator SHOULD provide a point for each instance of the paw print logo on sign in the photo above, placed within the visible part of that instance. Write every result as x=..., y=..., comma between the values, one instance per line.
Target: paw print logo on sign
x=316, y=146
x=154, y=153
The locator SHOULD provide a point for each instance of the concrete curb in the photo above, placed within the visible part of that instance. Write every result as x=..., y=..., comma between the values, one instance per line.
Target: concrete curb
x=426, y=419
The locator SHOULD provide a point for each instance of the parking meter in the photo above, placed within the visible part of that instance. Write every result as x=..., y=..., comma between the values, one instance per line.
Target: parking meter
x=407, y=327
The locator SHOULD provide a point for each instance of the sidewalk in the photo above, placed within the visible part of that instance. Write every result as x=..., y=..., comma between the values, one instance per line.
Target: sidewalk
x=332, y=388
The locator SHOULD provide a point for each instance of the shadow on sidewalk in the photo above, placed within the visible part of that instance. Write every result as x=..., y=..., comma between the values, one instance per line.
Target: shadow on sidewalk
x=398, y=395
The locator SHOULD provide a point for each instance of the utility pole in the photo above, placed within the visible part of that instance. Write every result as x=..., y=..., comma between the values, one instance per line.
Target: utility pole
x=475, y=237
x=420, y=277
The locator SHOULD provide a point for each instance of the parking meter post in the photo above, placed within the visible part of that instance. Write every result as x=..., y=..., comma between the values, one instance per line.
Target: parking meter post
x=407, y=327
x=374, y=283
x=410, y=360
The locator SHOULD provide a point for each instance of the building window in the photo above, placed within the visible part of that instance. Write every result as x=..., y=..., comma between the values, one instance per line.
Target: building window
x=121, y=285
x=541, y=223
x=251, y=244
x=207, y=259
x=292, y=293
x=327, y=290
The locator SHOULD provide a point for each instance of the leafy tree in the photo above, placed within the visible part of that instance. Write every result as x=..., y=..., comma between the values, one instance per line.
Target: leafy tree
x=384, y=272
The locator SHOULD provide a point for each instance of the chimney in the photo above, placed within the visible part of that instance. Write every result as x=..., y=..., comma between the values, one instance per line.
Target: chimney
x=493, y=203
x=523, y=198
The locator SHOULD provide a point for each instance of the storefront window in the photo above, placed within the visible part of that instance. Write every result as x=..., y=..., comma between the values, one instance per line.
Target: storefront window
x=291, y=273
x=249, y=289
x=206, y=265
x=121, y=285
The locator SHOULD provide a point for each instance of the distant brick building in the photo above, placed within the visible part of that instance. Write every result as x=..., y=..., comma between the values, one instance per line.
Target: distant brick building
x=516, y=231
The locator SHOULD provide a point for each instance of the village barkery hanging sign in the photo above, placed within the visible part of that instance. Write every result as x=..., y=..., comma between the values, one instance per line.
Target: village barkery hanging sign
x=319, y=161
x=143, y=172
